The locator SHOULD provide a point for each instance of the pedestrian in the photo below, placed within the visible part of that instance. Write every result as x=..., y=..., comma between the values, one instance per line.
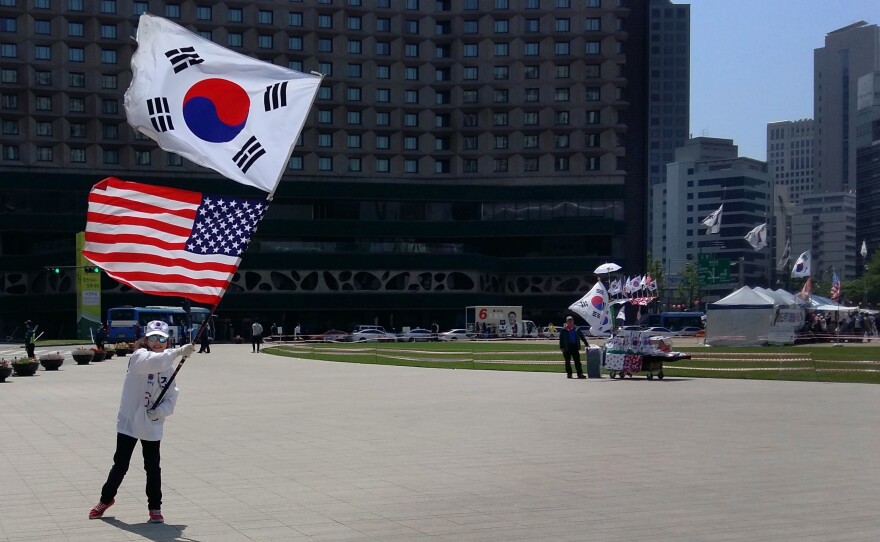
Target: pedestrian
x=256, y=336
x=204, y=341
x=296, y=331
x=30, y=339
x=139, y=418
x=570, y=339
x=137, y=331
x=101, y=336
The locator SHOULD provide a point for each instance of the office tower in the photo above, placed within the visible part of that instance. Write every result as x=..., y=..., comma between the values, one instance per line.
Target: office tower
x=868, y=167
x=669, y=83
x=457, y=153
x=790, y=156
x=849, y=53
x=708, y=172
x=823, y=225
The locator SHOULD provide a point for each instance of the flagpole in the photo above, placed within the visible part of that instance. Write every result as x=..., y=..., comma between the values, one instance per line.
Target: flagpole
x=202, y=329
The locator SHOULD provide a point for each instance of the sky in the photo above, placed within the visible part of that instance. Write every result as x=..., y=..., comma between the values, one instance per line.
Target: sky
x=752, y=62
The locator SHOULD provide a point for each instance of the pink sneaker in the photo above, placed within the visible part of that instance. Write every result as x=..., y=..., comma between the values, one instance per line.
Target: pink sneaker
x=99, y=509
x=156, y=516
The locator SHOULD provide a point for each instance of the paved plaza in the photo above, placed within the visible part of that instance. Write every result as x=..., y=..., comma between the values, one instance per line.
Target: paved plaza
x=270, y=448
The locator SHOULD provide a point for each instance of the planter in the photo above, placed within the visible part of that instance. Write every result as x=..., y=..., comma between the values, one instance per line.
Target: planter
x=51, y=364
x=109, y=354
x=25, y=369
x=4, y=373
x=83, y=359
x=98, y=356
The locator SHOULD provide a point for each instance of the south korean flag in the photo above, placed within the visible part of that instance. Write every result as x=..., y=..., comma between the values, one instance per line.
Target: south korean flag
x=234, y=114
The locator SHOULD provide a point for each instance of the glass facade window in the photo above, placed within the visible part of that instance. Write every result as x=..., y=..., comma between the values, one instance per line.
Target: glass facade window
x=383, y=142
x=8, y=75
x=77, y=156
x=383, y=95
x=470, y=50
x=562, y=25
x=383, y=165
x=410, y=166
x=383, y=118
x=203, y=13
x=42, y=28
x=501, y=26
x=531, y=95
x=108, y=56
x=108, y=6
x=9, y=50
x=354, y=23
x=532, y=25
x=77, y=130
x=530, y=118
x=234, y=15
x=143, y=158
x=265, y=42
x=354, y=47
x=111, y=156
x=295, y=43
x=383, y=72
x=325, y=163
x=43, y=129
x=502, y=49
x=295, y=19
x=234, y=39
x=109, y=81
x=593, y=24
x=500, y=72
x=411, y=96
x=108, y=31
x=172, y=11
x=43, y=103
x=42, y=52
x=531, y=72
x=470, y=96
x=139, y=8
x=410, y=120
x=264, y=16
x=77, y=105
x=383, y=24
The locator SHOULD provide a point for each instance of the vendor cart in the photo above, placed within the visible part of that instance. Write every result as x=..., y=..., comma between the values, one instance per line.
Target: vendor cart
x=628, y=353
x=652, y=364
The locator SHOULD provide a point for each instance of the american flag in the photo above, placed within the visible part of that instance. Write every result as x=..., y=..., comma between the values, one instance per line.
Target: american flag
x=835, y=287
x=166, y=241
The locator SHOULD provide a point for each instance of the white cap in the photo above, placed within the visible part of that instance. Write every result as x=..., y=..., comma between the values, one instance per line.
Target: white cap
x=157, y=327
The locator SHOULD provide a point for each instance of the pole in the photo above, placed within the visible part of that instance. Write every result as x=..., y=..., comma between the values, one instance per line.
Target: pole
x=203, y=328
x=741, y=273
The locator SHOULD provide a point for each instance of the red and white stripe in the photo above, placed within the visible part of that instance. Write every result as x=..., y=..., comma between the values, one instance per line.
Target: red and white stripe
x=137, y=234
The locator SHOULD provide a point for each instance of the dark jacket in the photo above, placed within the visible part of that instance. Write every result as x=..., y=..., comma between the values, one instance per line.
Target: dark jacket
x=565, y=344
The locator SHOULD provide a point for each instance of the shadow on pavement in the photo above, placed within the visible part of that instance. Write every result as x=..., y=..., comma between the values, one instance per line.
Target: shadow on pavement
x=164, y=532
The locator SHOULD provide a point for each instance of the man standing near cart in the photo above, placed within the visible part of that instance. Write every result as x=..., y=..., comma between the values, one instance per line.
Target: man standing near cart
x=570, y=339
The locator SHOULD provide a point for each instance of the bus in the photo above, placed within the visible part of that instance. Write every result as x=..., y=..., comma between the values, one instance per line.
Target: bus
x=673, y=321
x=121, y=321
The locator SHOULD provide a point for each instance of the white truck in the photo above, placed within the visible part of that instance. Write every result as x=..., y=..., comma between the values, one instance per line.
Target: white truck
x=499, y=321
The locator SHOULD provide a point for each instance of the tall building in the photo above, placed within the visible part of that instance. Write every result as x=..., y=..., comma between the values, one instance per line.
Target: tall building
x=486, y=153
x=822, y=224
x=790, y=156
x=868, y=166
x=669, y=88
x=849, y=53
x=708, y=172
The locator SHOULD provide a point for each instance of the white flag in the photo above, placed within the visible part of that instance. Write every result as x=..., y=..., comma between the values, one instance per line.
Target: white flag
x=757, y=237
x=232, y=113
x=786, y=256
x=802, y=266
x=713, y=221
x=864, y=251
x=593, y=308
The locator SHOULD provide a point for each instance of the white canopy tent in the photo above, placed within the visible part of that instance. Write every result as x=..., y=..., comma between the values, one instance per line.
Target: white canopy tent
x=743, y=318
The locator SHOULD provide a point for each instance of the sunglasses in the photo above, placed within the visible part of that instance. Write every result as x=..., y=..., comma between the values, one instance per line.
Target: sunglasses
x=157, y=338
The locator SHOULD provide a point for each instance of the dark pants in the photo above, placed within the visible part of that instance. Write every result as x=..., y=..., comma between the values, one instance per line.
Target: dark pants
x=576, y=356
x=124, y=448
x=256, y=341
x=29, y=348
x=204, y=344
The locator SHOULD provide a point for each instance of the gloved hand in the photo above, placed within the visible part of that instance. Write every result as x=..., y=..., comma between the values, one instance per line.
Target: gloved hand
x=186, y=350
x=153, y=415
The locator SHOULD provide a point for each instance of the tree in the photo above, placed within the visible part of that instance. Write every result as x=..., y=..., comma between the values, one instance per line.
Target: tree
x=689, y=288
x=655, y=271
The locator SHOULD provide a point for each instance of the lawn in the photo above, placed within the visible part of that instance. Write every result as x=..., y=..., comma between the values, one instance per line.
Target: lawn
x=816, y=363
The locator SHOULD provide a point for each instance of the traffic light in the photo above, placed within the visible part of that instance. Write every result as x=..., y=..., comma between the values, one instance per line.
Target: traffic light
x=56, y=270
x=93, y=269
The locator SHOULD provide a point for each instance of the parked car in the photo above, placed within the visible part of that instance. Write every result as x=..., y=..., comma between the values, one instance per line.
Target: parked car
x=332, y=336
x=547, y=334
x=659, y=331
x=457, y=335
x=372, y=336
x=690, y=331
x=416, y=334
x=631, y=328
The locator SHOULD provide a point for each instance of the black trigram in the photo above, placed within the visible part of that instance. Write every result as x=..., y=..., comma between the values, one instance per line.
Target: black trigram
x=160, y=114
x=248, y=154
x=183, y=58
x=275, y=96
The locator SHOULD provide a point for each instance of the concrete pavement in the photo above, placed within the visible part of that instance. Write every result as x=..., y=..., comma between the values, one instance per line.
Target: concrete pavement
x=268, y=448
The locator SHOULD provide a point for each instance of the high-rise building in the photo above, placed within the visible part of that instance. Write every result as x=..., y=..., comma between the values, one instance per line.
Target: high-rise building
x=486, y=153
x=790, y=156
x=868, y=166
x=708, y=172
x=669, y=80
x=849, y=53
x=822, y=224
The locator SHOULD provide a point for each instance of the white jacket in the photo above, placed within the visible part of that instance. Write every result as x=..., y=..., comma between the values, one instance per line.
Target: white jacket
x=147, y=374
